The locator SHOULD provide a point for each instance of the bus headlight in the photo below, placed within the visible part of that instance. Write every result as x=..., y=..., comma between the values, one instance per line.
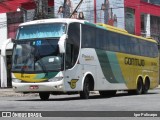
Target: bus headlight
x=55, y=79
x=16, y=80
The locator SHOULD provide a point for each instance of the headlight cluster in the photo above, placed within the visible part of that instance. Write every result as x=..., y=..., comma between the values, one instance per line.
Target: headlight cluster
x=16, y=80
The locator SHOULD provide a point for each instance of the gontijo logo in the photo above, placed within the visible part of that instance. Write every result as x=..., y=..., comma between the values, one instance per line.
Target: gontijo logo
x=134, y=61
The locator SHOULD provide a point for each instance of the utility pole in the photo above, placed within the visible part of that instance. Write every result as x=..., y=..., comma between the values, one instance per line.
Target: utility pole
x=41, y=11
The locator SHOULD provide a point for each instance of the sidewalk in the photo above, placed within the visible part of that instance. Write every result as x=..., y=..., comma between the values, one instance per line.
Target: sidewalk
x=4, y=92
x=8, y=92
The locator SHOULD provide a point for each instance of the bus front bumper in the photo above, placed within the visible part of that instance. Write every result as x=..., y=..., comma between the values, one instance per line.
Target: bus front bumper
x=38, y=87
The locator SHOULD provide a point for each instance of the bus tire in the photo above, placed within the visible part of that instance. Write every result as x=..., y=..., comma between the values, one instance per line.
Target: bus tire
x=139, y=88
x=107, y=93
x=146, y=86
x=44, y=95
x=86, y=89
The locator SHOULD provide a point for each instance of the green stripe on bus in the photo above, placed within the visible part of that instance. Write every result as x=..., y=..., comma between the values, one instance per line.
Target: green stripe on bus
x=115, y=67
x=98, y=26
x=40, y=76
x=91, y=24
x=110, y=66
x=105, y=65
x=50, y=75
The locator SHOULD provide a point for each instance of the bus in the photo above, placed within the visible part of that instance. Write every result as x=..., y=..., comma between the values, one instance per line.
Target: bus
x=56, y=56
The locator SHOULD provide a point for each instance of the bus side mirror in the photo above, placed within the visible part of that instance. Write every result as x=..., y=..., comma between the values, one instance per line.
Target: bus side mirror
x=13, y=40
x=61, y=43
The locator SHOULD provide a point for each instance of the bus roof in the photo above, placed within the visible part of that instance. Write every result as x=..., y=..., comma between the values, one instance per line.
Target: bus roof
x=122, y=31
x=58, y=20
x=98, y=25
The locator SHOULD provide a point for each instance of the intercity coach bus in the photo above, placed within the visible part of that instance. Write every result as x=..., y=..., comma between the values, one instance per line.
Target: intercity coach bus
x=55, y=56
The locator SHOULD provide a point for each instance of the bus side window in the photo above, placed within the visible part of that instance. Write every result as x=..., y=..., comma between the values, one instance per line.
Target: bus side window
x=143, y=48
x=134, y=46
x=106, y=40
x=155, y=50
x=88, y=36
x=101, y=40
x=124, y=44
x=114, y=42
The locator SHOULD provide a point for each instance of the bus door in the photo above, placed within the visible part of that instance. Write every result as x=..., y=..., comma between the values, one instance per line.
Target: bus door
x=72, y=69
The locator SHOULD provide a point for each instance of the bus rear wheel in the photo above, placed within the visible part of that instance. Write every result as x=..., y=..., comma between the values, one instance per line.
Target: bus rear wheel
x=86, y=89
x=139, y=89
x=146, y=86
x=107, y=93
x=44, y=95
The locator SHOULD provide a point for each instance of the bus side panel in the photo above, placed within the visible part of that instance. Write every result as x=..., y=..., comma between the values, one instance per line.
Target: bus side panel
x=109, y=75
x=111, y=70
x=134, y=67
x=121, y=71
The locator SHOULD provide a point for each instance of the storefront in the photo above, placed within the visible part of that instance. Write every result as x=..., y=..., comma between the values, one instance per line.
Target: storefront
x=145, y=17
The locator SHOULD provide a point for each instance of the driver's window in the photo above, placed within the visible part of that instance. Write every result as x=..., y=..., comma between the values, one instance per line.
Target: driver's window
x=72, y=45
x=69, y=54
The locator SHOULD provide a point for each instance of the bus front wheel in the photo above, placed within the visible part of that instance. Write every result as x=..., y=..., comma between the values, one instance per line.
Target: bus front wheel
x=44, y=95
x=86, y=89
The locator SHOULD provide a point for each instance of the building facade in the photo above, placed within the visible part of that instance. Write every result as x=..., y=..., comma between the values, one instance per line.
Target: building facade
x=142, y=17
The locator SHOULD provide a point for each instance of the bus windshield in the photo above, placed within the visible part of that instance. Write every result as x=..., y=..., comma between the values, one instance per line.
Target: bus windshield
x=35, y=55
x=41, y=31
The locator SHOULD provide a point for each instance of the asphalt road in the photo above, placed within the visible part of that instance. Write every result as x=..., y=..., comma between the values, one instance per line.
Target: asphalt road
x=119, y=103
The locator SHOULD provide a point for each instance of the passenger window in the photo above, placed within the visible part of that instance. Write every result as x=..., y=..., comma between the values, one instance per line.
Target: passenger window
x=154, y=50
x=88, y=36
x=134, y=46
x=124, y=44
x=144, y=48
x=114, y=42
